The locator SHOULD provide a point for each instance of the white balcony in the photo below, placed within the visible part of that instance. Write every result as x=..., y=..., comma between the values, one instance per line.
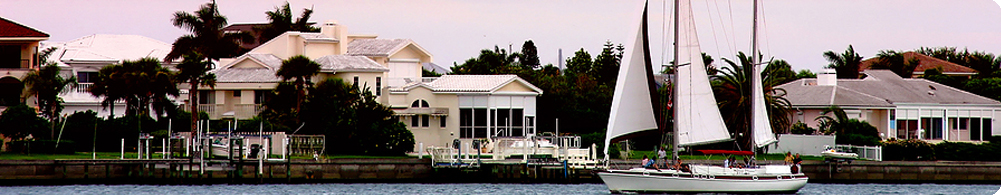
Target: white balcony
x=220, y=111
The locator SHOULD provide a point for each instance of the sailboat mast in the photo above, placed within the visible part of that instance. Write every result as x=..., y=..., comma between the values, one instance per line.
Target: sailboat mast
x=675, y=80
x=755, y=70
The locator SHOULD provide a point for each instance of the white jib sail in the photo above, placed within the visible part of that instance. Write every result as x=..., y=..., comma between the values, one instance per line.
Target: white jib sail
x=763, y=133
x=698, y=120
x=631, y=109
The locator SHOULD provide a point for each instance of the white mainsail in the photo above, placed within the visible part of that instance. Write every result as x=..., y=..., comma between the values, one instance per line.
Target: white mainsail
x=632, y=110
x=763, y=133
x=697, y=118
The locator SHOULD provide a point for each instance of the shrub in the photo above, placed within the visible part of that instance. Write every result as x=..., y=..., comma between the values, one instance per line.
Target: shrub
x=802, y=128
x=911, y=149
x=961, y=151
x=20, y=121
x=41, y=147
x=858, y=139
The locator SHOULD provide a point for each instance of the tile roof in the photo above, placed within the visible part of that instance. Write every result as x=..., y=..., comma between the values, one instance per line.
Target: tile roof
x=10, y=28
x=469, y=83
x=230, y=74
x=880, y=88
x=346, y=63
x=376, y=47
x=109, y=47
x=925, y=62
x=435, y=68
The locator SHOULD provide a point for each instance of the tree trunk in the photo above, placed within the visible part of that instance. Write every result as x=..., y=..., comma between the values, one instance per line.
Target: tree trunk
x=193, y=100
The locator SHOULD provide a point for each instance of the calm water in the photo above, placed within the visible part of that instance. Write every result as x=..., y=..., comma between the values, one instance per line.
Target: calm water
x=397, y=189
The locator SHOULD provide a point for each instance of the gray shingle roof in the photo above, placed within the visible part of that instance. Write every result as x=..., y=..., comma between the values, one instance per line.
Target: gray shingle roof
x=881, y=88
x=376, y=47
x=341, y=63
x=435, y=68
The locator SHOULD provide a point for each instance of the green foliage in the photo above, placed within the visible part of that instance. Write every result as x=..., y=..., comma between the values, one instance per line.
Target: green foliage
x=847, y=64
x=962, y=151
x=41, y=147
x=46, y=84
x=80, y=127
x=580, y=63
x=896, y=62
x=987, y=64
x=20, y=121
x=847, y=130
x=614, y=151
x=733, y=89
x=805, y=73
x=528, y=58
x=207, y=38
x=300, y=68
x=141, y=83
x=497, y=61
x=429, y=73
x=936, y=75
x=987, y=87
x=911, y=149
x=802, y=128
x=858, y=139
x=281, y=20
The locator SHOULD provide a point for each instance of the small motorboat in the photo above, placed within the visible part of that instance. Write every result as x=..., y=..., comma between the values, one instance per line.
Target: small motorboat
x=832, y=153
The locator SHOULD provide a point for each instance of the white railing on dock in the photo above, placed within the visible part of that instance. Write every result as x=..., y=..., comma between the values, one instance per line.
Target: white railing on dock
x=865, y=152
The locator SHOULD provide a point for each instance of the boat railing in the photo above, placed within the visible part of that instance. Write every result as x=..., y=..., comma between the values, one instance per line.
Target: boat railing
x=865, y=152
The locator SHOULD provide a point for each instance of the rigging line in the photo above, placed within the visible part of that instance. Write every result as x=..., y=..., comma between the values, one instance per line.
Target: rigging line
x=723, y=31
x=717, y=46
x=735, y=40
x=766, y=33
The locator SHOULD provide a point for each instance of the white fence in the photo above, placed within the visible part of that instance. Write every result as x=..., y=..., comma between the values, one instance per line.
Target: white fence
x=865, y=152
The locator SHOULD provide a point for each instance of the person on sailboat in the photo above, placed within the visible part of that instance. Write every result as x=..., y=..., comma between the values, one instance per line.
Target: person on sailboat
x=788, y=159
x=645, y=162
x=662, y=160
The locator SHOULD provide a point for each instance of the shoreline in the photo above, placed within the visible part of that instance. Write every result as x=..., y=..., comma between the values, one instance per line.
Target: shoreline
x=182, y=172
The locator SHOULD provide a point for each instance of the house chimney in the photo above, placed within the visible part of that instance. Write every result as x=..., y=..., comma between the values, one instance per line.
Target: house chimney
x=329, y=28
x=827, y=77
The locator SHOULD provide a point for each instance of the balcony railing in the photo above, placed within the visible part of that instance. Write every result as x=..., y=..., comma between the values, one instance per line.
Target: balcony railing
x=219, y=111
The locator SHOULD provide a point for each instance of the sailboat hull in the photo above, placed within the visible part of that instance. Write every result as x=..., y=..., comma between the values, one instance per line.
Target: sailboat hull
x=671, y=181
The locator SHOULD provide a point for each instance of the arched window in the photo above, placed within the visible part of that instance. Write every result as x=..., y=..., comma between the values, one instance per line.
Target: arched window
x=419, y=104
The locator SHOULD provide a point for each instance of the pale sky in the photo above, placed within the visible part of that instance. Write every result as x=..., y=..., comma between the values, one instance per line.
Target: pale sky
x=798, y=31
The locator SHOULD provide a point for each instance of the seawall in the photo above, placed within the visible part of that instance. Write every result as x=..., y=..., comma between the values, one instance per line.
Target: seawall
x=62, y=172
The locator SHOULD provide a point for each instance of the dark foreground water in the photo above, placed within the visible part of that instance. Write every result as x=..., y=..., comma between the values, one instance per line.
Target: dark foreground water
x=398, y=189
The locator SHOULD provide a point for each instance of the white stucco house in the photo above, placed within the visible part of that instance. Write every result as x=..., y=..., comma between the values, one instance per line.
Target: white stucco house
x=85, y=56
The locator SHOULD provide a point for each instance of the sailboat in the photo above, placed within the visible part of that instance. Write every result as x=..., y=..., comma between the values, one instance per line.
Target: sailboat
x=697, y=121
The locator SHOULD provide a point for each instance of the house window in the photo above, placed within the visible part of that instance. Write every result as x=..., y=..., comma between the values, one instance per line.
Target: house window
x=207, y=97
x=86, y=77
x=473, y=123
x=236, y=93
x=442, y=122
x=10, y=56
x=259, y=96
x=419, y=104
x=414, y=121
x=424, y=120
x=355, y=81
x=379, y=86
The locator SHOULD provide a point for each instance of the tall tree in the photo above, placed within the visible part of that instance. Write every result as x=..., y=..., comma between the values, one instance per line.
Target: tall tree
x=207, y=40
x=805, y=73
x=606, y=66
x=528, y=58
x=733, y=89
x=301, y=69
x=896, y=62
x=497, y=61
x=141, y=83
x=581, y=63
x=353, y=121
x=281, y=20
x=46, y=84
x=847, y=64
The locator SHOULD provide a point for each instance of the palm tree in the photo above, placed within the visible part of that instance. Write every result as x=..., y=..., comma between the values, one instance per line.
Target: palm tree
x=733, y=91
x=896, y=62
x=832, y=124
x=281, y=20
x=300, y=68
x=46, y=84
x=847, y=64
x=207, y=41
x=140, y=83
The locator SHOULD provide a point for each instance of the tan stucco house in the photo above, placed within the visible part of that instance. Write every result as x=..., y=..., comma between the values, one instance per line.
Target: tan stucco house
x=19, y=46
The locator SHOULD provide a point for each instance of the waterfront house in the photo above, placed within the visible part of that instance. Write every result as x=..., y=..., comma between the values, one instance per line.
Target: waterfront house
x=926, y=62
x=85, y=56
x=370, y=62
x=900, y=108
x=19, y=46
x=466, y=107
